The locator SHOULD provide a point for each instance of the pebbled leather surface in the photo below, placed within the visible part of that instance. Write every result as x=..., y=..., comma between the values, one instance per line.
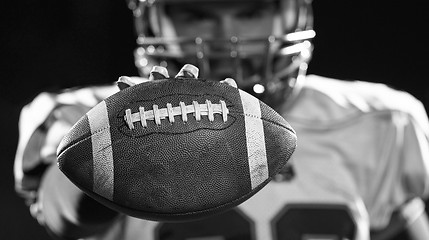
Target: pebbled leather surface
x=172, y=170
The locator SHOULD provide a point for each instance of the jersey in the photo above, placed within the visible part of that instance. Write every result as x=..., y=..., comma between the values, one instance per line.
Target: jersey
x=42, y=124
x=378, y=136
x=357, y=151
x=265, y=216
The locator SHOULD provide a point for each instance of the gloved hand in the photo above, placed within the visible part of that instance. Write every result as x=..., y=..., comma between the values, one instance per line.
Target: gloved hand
x=158, y=72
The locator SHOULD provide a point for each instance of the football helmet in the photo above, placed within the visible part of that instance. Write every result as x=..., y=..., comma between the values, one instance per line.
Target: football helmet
x=269, y=72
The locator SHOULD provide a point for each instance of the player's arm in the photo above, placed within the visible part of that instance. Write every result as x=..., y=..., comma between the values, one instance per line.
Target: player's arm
x=56, y=203
x=67, y=212
x=416, y=173
x=411, y=215
x=416, y=152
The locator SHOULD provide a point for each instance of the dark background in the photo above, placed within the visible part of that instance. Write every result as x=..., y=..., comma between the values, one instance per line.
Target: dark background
x=51, y=44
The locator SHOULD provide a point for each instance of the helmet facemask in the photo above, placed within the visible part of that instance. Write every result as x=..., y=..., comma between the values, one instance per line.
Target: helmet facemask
x=265, y=66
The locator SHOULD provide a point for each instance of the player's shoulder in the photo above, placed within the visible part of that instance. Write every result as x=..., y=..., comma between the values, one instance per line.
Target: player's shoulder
x=328, y=99
x=83, y=95
x=72, y=100
x=39, y=116
x=358, y=95
x=46, y=102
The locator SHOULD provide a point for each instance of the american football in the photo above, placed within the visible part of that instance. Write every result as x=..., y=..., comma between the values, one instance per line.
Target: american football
x=176, y=149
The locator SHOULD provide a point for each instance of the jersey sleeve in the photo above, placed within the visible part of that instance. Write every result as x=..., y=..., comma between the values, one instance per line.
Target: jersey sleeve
x=42, y=124
x=416, y=152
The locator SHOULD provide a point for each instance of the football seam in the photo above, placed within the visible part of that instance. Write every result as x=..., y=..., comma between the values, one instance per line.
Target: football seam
x=270, y=121
x=82, y=139
x=172, y=133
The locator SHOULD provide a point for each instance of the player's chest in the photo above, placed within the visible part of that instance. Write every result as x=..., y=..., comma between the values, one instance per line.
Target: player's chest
x=269, y=215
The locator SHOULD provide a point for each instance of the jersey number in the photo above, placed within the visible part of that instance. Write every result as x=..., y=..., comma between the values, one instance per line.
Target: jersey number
x=294, y=222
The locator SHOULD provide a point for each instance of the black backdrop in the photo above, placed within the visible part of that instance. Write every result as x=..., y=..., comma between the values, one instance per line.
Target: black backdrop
x=51, y=44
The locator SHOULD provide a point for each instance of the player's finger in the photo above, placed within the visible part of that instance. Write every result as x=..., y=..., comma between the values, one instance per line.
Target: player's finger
x=158, y=72
x=188, y=71
x=230, y=82
x=124, y=82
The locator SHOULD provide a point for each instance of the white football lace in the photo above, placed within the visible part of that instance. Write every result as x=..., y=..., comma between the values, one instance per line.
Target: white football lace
x=156, y=114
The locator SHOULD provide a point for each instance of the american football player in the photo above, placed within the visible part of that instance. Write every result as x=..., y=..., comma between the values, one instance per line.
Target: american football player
x=361, y=163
